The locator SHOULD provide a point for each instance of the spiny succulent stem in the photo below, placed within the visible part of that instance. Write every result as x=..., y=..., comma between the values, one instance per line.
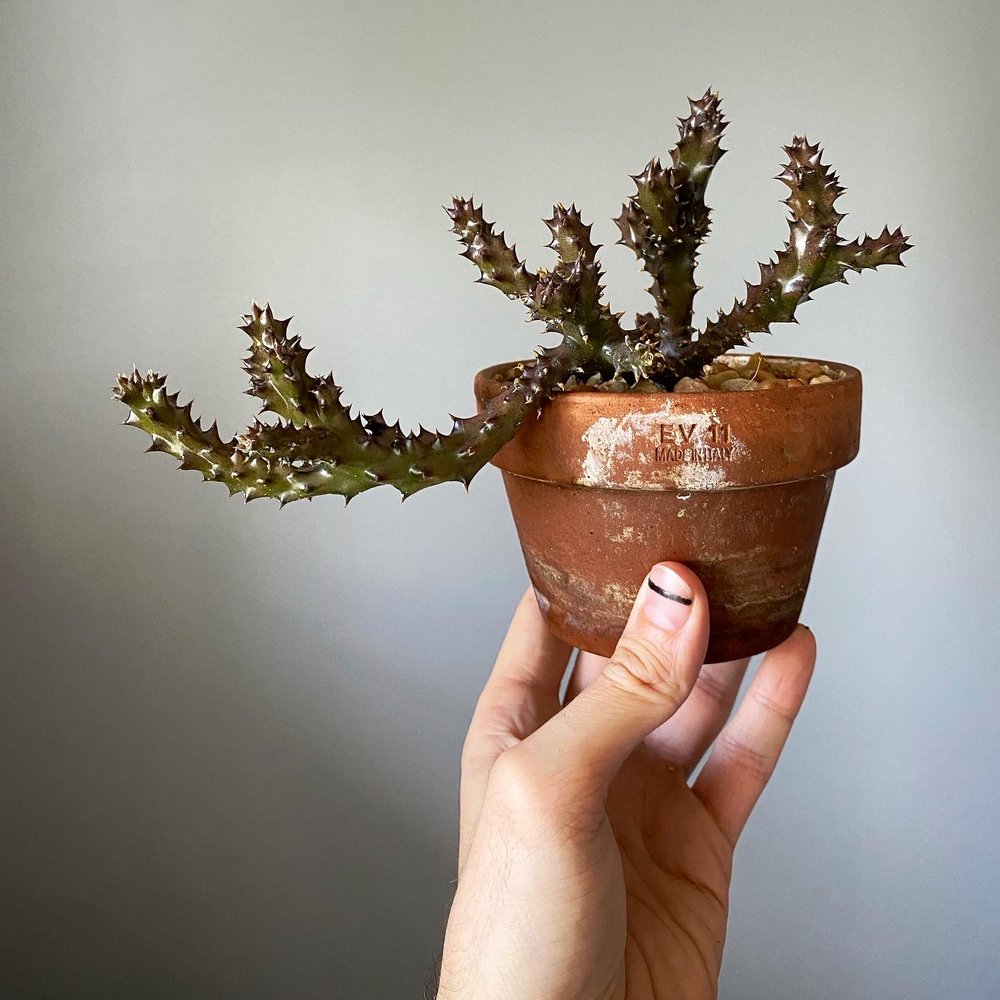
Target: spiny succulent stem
x=665, y=222
x=318, y=446
x=814, y=256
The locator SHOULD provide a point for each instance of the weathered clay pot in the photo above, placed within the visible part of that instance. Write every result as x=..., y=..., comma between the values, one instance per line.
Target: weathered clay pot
x=733, y=484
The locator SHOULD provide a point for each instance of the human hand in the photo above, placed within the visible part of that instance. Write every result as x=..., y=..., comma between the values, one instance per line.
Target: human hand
x=589, y=867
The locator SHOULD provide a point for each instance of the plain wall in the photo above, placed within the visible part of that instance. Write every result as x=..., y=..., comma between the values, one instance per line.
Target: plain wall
x=229, y=735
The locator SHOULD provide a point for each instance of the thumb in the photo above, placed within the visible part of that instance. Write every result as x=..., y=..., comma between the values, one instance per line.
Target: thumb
x=648, y=677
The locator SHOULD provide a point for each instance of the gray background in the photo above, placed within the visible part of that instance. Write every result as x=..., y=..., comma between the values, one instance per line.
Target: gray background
x=230, y=735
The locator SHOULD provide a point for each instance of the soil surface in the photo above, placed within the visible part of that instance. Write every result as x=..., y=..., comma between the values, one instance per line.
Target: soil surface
x=738, y=373
x=758, y=372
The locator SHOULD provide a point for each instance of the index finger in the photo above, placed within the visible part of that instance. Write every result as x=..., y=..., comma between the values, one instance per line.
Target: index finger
x=522, y=691
x=521, y=695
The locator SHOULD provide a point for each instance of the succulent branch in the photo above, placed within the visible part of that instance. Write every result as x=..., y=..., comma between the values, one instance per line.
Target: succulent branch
x=665, y=222
x=316, y=445
x=567, y=298
x=861, y=255
x=176, y=432
x=488, y=250
x=814, y=256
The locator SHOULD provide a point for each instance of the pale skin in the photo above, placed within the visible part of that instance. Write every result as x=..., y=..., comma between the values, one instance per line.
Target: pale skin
x=591, y=866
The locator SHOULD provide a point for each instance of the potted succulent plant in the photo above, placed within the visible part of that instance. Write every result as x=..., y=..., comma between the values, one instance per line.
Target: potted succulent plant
x=620, y=446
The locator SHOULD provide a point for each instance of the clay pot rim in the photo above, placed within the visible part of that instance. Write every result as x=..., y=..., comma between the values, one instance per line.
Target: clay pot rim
x=572, y=397
x=609, y=440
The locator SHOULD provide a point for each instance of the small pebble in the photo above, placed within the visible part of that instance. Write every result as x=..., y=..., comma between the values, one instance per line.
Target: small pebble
x=613, y=385
x=716, y=380
x=644, y=385
x=690, y=385
x=807, y=370
x=739, y=385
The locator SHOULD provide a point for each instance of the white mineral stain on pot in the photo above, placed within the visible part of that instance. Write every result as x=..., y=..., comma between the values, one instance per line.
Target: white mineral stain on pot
x=607, y=437
x=616, y=519
x=596, y=605
x=699, y=476
x=604, y=437
x=625, y=535
x=621, y=598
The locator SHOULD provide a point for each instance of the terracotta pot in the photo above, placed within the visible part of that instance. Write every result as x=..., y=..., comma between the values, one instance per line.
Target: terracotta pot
x=733, y=484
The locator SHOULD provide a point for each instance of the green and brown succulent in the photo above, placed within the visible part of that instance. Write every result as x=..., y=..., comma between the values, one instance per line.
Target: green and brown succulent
x=314, y=445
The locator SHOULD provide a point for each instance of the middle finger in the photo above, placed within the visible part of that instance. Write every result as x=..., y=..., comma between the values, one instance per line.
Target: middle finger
x=685, y=738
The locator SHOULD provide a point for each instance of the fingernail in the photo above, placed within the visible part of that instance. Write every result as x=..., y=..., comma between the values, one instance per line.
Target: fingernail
x=667, y=599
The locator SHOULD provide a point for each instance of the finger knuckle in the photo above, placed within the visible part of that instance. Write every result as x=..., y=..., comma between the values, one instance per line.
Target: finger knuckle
x=757, y=764
x=781, y=711
x=643, y=668
x=487, y=738
x=715, y=689
x=518, y=783
x=471, y=755
x=532, y=803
